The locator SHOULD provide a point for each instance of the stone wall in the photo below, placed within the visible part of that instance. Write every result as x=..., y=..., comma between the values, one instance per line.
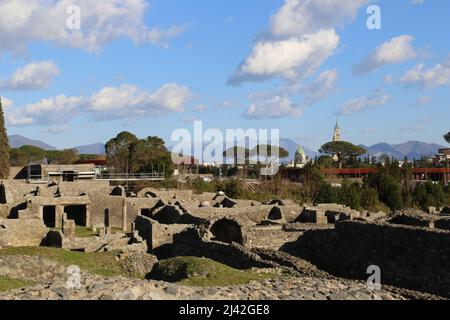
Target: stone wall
x=191, y=243
x=84, y=187
x=103, y=206
x=156, y=234
x=256, y=213
x=270, y=237
x=409, y=257
x=21, y=233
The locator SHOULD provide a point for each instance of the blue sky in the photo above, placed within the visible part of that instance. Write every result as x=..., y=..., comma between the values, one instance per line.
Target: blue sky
x=151, y=67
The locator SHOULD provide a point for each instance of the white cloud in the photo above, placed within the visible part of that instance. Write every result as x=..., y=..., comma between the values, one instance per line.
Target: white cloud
x=25, y=21
x=33, y=76
x=288, y=58
x=396, y=50
x=437, y=76
x=6, y=103
x=301, y=37
x=300, y=17
x=49, y=111
x=130, y=101
x=363, y=103
x=323, y=87
x=123, y=102
x=273, y=108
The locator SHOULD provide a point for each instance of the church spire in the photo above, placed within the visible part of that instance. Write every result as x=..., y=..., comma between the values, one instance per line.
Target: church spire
x=337, y=132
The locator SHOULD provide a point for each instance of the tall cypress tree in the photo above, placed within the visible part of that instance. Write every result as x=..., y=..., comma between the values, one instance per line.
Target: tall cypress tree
x=4, y=147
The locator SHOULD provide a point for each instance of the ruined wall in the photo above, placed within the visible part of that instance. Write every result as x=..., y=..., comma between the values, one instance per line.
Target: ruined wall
x=17, y=191
x=256, y=213
x=21, y=233
x=191, y=243
x=103, y=206
x=87, y=187
x=409, y=257
x=270, y=237
x=168, y=194
x=155, y=234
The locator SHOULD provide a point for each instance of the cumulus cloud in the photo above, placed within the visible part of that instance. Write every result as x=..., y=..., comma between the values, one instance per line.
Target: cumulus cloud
x=48, y=111
x=25, y=21
x=300, y=38
x=363, y=103
x=123, y=102
x=288, y=58
x=397, y=50
x=437, y=76
x=33, y=76
x=272, y=108
x=323, y=87
x=299, y=17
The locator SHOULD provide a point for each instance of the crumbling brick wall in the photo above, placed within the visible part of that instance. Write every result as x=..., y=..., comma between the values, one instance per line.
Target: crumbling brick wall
x=409, y=257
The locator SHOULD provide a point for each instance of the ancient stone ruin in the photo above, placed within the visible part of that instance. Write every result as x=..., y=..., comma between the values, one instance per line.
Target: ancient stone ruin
x=323, y=241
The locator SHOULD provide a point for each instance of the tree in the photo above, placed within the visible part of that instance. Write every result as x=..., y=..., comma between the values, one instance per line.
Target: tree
x=390, y=192
x=67, y=156
x=26, y=155
x=343, y=150
x=150, y=155
x=240, y=155
x=270, y=153
x=5, y=164
x=128, y=154
x=369, y=198
x=119, y=151
x=313, y=181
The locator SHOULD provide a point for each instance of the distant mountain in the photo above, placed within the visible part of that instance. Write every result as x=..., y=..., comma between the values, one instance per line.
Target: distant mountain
x=384, y=149
x=97, y=148
x=292, y=146
x=17, y=141
x=410, y=149
x=417, y=149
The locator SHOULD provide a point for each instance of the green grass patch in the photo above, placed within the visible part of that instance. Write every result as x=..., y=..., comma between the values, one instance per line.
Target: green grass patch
x=83, y=232
x=7, y=283
x=202, y=272
x=101, y=263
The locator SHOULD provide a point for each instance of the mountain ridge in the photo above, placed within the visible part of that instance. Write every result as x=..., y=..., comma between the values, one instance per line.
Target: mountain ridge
x=17, y=141
x=412, y=149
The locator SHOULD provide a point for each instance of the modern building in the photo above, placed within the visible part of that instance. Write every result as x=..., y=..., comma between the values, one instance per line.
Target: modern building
x=442, y=156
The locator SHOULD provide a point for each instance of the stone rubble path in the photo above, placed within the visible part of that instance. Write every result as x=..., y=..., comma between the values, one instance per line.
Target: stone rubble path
x=284, y=288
